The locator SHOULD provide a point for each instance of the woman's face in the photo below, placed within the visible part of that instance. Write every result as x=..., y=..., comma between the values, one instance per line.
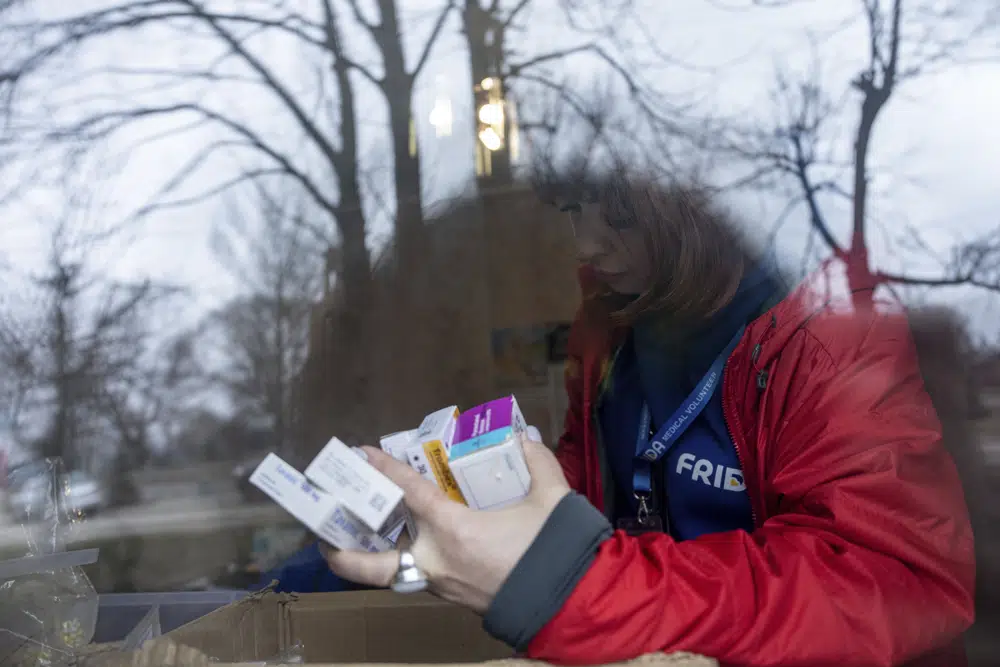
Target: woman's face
x=616, y=253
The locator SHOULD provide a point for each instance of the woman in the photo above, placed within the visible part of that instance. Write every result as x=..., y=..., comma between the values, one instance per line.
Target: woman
x=765, y=474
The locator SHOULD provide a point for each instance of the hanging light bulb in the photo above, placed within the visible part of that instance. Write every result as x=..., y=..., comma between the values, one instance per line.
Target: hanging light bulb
x=491, y=139
x=491, y=114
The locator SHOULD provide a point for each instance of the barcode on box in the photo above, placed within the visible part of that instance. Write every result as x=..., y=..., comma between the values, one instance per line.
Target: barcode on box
x=378, y=502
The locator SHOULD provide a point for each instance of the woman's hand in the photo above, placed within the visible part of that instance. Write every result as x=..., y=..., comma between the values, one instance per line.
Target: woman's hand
x=466, y=555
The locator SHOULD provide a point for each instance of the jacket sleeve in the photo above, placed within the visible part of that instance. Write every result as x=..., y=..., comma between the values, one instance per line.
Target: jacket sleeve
x=866, y=558
x=569, y=450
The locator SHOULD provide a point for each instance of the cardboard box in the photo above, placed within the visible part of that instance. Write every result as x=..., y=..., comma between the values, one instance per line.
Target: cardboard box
x=352, y=628
x=486, y=458
x=319, y=511
x=429, y=455
x=361, y=489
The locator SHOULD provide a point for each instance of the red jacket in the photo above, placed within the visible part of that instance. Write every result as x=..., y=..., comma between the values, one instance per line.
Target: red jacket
x=862, y=553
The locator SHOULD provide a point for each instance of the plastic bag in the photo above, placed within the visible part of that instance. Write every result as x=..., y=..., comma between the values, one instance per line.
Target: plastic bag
x=48, y=607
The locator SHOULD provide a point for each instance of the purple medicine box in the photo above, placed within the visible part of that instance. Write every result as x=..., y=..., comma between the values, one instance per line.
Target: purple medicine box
x=487, y=425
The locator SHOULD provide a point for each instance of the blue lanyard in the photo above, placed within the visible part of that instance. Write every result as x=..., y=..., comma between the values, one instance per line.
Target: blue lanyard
x=649, y=450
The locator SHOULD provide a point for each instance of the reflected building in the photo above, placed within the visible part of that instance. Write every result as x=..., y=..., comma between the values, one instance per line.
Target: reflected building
x=499, y=289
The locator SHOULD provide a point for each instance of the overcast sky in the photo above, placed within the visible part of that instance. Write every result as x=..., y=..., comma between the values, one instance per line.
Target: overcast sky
x=935, y=159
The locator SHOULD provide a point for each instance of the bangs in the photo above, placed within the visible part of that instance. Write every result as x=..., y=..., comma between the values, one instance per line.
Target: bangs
x=567, y=188
x=611, y=193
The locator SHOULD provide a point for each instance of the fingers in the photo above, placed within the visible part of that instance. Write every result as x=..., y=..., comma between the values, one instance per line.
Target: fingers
x=422, y=497
x=361, y=567
x=546, y=473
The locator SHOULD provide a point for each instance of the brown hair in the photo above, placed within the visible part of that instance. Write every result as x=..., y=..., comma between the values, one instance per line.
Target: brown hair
x=695, y=251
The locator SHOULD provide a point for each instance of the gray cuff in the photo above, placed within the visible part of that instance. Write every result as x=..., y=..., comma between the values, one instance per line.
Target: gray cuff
x=546, y=575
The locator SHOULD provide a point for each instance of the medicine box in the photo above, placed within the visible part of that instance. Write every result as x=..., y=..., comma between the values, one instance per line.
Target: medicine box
x=486, y=458
x=428, y=455
x=316, y=509
x=439, y=426
x=396, y=444
x=400, y=518
x=361, y=489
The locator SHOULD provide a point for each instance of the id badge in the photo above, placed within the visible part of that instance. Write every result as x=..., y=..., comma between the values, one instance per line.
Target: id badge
x=652, y=523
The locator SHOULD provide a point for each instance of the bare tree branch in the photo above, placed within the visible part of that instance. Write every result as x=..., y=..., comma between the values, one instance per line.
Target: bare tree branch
x=940, y=281
x=809, y=192
x=94, y=342
x=439, y=23
x=798, y=150
x=273, y=84
x=513, y=13
x=264, y=336
x=516, y=69
x=359, y=16
x=57, y=36
x=102, y=125
x=207, y=195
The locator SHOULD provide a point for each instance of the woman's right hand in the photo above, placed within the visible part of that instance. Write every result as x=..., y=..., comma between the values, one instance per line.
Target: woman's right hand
x=466, y=555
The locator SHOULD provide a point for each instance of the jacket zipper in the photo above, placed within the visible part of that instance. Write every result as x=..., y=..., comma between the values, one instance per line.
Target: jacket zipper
x=726, y=408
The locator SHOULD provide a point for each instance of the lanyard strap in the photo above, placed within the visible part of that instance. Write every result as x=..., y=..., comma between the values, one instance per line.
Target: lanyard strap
x=649, y=450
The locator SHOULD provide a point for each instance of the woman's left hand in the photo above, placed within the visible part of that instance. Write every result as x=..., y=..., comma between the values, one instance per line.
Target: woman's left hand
x=466, y=555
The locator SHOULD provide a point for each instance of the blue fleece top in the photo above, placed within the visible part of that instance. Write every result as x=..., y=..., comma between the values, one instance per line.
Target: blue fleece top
x=699, y=478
